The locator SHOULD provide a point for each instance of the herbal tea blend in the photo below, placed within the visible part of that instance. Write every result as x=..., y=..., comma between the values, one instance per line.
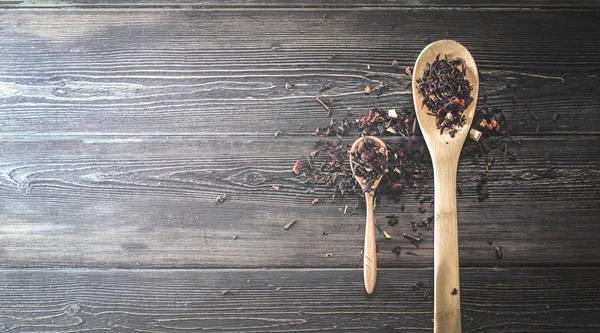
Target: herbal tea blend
x=446, y=92
x=370, y=162
x=409, y=170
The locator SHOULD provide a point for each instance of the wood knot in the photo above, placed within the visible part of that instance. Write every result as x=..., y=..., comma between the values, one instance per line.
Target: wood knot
x=72, y=309
x=254, y=178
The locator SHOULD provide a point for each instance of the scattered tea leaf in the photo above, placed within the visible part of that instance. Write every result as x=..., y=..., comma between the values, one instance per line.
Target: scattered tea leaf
x=415, y=240
x=417, y=285
x=498, y=251
x=289, y=225
x=528, y=108
x=324, y=105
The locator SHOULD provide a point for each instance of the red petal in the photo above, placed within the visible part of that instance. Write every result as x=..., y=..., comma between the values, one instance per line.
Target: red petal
x=297, y=167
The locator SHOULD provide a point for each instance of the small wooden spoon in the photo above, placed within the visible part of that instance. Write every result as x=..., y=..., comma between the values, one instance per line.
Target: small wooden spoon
x=445, y=152
x=369, y=252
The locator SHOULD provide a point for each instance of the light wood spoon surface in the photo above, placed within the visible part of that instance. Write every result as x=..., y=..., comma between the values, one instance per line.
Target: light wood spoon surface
x=369, y=251
x=445, y=152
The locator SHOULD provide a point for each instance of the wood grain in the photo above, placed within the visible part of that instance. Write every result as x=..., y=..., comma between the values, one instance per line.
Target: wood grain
x=103, y=201
x=353, y=4
x=191, y=71
x=494, y=300
x=121, y=121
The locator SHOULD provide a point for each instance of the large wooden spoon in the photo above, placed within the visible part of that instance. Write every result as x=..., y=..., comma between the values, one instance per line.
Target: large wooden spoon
x=445, y=152
x=369, y=251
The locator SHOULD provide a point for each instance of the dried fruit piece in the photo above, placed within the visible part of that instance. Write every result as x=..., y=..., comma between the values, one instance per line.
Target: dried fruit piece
x=297, y=167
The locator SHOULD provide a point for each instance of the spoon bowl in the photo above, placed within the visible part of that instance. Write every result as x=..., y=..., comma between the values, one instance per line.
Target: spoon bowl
x=369, y=252
x=445, y=152
x=433, y=138
x=359, y=142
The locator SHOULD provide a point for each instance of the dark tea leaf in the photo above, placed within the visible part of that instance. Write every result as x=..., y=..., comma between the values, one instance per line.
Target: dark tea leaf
x=369, y=162
x=446, y=92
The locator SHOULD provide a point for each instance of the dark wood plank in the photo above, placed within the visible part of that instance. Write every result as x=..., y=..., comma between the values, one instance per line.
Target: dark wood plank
x=195, y=71
x=493, y=300
x=354, y=4
x=150, y=202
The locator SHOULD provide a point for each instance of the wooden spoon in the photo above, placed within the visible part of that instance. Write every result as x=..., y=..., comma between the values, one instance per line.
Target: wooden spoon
x=445, y=152
x=369, y=252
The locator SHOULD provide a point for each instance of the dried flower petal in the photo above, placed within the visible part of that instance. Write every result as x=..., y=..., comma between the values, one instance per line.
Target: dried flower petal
x=297, y=167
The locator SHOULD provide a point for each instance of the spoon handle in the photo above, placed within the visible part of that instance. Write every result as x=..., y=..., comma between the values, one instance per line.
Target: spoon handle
x=369, y=252
x=446, y=314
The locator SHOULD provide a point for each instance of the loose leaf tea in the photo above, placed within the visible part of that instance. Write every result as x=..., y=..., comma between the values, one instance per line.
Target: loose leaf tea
x=369, y=162
x=392, y=220
x=446, y=92
x=380, y=123
x=409, y=171
x=334, y=130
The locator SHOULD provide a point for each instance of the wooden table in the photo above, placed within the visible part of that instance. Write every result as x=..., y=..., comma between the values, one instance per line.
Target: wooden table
x=122, y=121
